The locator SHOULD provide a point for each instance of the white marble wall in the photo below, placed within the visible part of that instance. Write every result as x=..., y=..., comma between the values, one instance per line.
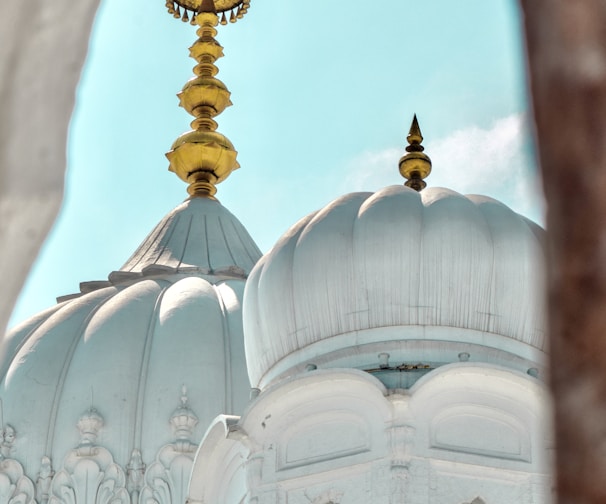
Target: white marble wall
x=463, y=434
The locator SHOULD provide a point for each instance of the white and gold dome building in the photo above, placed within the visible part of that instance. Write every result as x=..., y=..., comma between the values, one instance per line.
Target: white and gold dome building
x=397, y=344
x=394, y=342
x=136, y=366
x=105, y=396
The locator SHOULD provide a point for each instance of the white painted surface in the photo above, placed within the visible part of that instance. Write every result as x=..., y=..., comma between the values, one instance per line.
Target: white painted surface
x=395, y=258
x=199, y=235
x=463, y=432
x=126, y=348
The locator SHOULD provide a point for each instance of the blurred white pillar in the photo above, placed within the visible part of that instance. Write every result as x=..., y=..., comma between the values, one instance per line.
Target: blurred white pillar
x=42, y=49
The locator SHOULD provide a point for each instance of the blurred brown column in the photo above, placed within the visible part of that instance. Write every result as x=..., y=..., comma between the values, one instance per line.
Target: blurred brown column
x=566, y=42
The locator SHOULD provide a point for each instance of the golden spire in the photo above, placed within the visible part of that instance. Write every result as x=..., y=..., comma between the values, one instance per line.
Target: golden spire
x=416, y=165
x=204, y=157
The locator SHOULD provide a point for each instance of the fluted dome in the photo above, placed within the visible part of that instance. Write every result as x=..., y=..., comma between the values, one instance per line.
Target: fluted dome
x=200, y=236
x=156, y=352
x=421, y=278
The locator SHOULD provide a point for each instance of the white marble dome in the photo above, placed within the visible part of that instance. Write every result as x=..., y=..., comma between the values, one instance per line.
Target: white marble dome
x=398, y=280
x=139, y=365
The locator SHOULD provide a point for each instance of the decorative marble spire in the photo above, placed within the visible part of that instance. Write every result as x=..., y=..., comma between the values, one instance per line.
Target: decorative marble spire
x=416, y=165
x=204, y=157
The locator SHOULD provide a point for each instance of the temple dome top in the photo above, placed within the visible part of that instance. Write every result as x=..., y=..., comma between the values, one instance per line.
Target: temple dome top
x=155, y=352
x=201, y=236
x=416, y=275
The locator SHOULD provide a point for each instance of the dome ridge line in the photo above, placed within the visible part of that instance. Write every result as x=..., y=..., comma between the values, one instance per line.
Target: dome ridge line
x=136, y=440
x=166, y=239
x=229, y=228
x=182, y=255
x=419, y=278
x=157, y=233
x=231, y=255
x=65, y=370
x=8, y=353
x=149, y=241
x=206, y=243
x=491, y=307
x=239, y=235
x=227, y=398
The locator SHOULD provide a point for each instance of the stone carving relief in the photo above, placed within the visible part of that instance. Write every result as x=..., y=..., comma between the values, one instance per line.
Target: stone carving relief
x=167, y=478
x=89, y=474
x=402, y=441
x=135, y=475
x=15, y=487
x=8, y=440
x=43, y=483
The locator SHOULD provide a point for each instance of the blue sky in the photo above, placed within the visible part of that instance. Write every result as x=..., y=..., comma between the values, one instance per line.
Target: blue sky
x=323, y=98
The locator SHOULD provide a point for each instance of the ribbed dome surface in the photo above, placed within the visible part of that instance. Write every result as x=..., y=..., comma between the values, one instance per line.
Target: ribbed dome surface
x=128, y=350
x=171, y=318
x=199, y=235
x=394, y=259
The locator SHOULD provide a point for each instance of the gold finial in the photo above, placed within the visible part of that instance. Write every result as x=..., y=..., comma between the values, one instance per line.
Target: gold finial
x=416, y=165
x=186, y=9
x=203, y=157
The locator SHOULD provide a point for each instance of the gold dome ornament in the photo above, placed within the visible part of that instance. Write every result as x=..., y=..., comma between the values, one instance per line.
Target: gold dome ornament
x=187, y=10
x=204, y=157
x=416, y=165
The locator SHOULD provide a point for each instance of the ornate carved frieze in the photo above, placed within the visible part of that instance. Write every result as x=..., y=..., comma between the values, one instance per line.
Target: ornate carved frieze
x=15, y=487
x=402, y=442
x=135, y=475
x=43, y=483
x=167, y=478
x=89, y=474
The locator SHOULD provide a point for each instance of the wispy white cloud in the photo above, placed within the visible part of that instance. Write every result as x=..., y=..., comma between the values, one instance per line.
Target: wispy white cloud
x=497, y=161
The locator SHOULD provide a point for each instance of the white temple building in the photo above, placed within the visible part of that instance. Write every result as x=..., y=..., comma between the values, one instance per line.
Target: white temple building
x=110, y=391
x=390, y=348
x=397, y=343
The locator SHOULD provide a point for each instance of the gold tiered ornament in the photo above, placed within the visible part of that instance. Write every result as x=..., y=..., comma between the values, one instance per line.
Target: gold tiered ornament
x=204, y=157
x=416, y=165
x=187, y=10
